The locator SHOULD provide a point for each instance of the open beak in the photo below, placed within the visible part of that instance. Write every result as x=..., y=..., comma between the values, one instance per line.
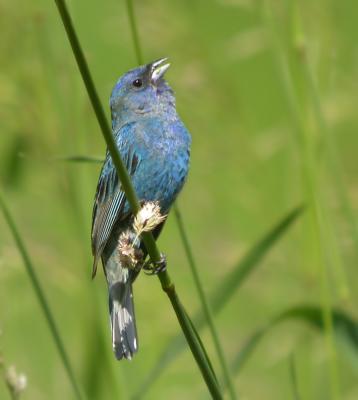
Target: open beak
x=158, y=69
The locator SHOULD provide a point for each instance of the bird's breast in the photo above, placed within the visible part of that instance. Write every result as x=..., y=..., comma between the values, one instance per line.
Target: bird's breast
x=162, y=148
x=162, y=172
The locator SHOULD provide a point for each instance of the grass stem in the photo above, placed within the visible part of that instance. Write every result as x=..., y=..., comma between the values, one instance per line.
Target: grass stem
x=184, y=238
x=205, y=304
x=134, y=31
x=300, y=106
x=41, y=297
x=196, y=347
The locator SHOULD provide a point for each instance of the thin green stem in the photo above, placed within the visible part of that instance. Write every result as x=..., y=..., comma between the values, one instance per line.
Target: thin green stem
x=184, y=236
x=185, y=240
x=334, y=164
x=320, y=221
x=205, y=304
x=134, y=30
x=195, y=344
x=96, y=104
x=149, y=242
x=80, y=159
x=309, y=173
x=224, y=290
x=40, y=296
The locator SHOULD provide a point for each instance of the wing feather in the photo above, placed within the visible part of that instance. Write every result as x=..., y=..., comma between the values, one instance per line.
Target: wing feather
x=109, y=206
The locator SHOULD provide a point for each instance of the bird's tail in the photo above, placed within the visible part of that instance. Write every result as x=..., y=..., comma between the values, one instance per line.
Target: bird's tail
x=121, y=308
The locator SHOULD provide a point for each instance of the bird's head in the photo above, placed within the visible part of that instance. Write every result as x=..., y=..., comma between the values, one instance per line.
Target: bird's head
x=141, y=91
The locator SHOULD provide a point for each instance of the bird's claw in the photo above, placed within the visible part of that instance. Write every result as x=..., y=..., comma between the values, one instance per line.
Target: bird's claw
x=154, y=268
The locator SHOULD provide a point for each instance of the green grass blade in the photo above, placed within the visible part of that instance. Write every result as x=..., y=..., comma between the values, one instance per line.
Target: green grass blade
x=205, y=304
x=80, y=159
x=224, y=292
x=196, y=346
x=41, y=297
x=201, y=344
x=247, y=349
x=322, y=249
x=251, y=260
x=345, y=327
x=344, y=324
x=134, y=31
x=99, y=381
x=216, y=392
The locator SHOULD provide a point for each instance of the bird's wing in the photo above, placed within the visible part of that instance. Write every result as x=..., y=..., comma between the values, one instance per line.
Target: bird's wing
x=109, y=205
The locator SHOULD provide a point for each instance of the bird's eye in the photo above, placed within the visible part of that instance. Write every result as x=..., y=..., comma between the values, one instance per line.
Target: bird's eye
x=137, y=83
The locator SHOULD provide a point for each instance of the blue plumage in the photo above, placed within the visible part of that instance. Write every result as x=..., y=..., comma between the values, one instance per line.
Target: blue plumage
x=155, y=146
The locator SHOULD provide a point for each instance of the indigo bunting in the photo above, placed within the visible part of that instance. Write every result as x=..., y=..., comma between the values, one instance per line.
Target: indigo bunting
x=155, y=147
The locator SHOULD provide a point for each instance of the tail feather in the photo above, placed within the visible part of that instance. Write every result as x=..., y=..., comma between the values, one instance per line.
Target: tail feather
x=124, y=332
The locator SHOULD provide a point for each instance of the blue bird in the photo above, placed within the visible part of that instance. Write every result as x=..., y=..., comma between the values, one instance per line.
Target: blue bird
x=155, y=147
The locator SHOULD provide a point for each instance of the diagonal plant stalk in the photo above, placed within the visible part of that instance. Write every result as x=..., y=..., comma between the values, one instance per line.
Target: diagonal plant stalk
x=306, y=313
x=224, y=291
x=184, y=238
x=205, y=304
x=168, y=287
x=41, y=297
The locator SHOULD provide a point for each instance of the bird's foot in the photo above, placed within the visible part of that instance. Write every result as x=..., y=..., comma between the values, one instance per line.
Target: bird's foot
x=154, y=268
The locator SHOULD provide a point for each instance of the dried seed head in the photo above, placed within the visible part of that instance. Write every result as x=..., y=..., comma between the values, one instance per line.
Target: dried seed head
x=128, y=250
x=15, y=382
x=148, y=217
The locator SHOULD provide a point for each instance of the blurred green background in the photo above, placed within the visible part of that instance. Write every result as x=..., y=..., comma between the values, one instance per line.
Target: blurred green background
x=269, y=92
